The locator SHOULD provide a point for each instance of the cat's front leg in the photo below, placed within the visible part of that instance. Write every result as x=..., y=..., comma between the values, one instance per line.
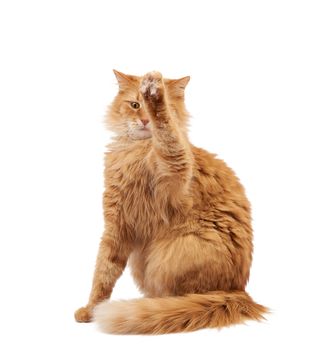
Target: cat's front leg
x=111, y=261
x=167, y=138
x=170, y=157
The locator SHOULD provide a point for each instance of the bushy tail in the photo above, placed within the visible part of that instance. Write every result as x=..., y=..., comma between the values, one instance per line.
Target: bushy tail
x=177, y=314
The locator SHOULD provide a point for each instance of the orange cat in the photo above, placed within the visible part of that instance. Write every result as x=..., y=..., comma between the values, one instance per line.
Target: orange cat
x=176, y=214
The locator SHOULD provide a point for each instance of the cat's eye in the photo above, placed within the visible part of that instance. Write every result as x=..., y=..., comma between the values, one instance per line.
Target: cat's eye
x=135, y=105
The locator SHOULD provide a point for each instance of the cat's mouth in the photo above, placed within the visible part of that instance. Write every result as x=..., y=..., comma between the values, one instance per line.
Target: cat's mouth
x=141, y=134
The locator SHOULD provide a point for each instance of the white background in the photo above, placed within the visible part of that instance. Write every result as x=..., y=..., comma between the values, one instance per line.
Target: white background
x=261, y=97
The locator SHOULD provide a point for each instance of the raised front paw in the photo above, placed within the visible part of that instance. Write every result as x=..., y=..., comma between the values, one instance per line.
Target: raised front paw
x=84, y=314
x=152, y=87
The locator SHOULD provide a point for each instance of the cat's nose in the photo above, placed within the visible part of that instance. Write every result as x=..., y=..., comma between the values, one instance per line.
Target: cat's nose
x=144, y=121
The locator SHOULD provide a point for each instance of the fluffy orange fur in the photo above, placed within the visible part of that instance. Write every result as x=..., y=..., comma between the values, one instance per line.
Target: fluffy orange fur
x=176, y=214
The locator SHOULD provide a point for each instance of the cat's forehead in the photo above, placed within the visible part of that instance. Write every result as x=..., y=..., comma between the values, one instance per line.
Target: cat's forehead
x=132, y=94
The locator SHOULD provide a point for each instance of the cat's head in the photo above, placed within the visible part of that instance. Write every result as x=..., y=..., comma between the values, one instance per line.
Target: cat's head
x=127, y=115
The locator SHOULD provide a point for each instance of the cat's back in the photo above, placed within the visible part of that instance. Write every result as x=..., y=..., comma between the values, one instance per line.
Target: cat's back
x=215, y=180
x=207, y=164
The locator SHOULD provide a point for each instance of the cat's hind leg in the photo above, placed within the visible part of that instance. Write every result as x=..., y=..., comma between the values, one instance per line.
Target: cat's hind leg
x=193, y=263
x=189, y=284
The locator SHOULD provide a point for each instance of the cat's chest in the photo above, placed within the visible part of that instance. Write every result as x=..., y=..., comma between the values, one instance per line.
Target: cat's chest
x=132, y=183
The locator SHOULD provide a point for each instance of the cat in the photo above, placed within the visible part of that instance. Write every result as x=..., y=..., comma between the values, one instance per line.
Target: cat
x=176, y=214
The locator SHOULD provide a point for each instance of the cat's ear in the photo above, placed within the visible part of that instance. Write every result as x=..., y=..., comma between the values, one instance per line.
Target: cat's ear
x=177, y=86
x=124, y=80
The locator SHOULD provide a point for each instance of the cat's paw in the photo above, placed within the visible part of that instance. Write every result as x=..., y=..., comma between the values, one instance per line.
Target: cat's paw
x=84, y=314
x=152, y=86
